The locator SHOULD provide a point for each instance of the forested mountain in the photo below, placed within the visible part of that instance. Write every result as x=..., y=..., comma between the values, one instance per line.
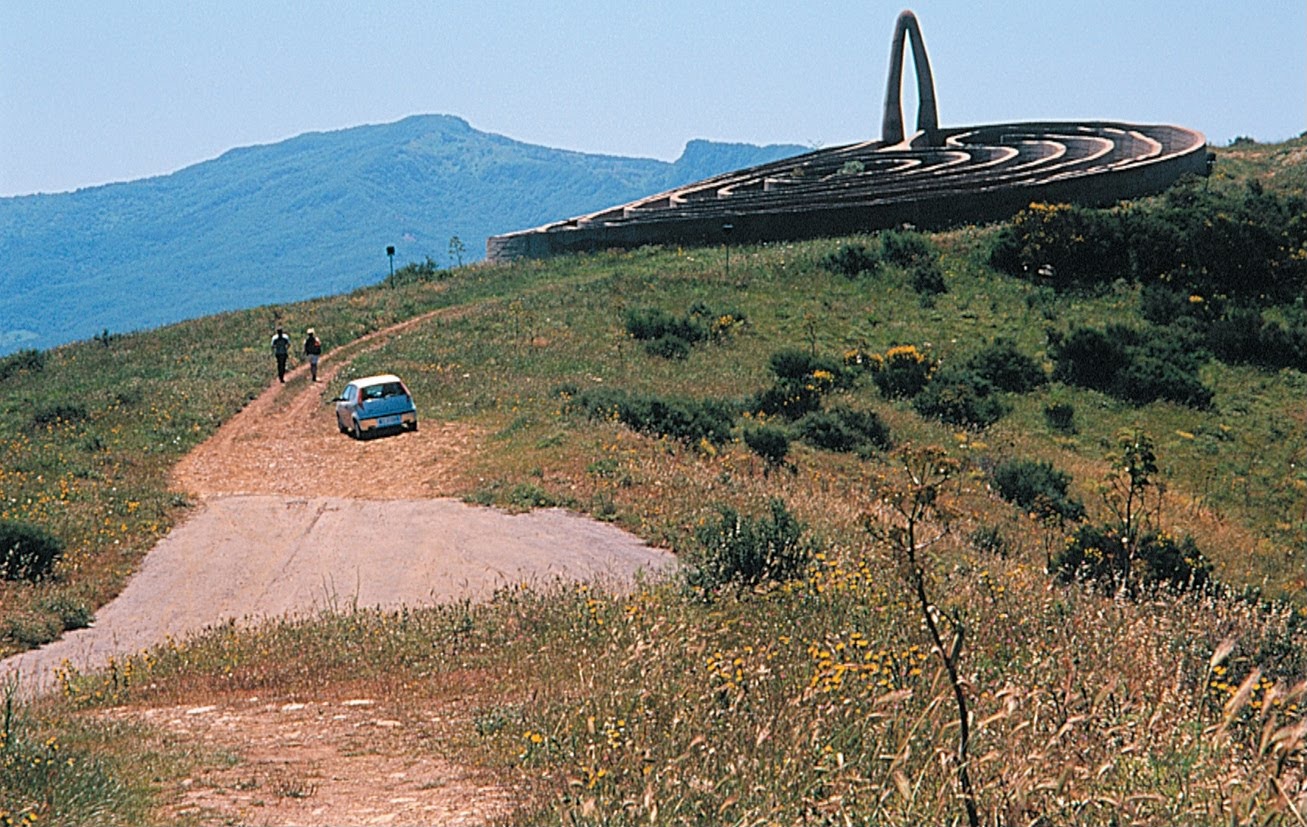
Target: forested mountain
x=309, y=216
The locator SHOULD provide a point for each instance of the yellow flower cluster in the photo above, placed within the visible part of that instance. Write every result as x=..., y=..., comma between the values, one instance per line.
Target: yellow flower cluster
x=852, y=665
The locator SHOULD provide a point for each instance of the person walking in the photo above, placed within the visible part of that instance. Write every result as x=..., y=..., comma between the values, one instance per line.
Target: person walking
x=312, y=350
x=281, y=349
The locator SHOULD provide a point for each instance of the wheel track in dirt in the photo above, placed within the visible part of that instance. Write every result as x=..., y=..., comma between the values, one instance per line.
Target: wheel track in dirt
x=283, y=442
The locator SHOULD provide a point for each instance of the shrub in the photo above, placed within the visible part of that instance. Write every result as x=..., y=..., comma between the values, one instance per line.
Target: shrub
x=31, y=629
x=906, y=248
x=770, y=443
x=668, y=347
x=58, y=412
x=1037, y=487
x=902, y=372
x=690, y=421
x=851, y=260
x=796, y=366
x=1130, y=365
x=747, y=551
x=647, y=324
x=528, y=496
x=72, y=613
x=928, y=278
x=1087, y=357
x=1061, y=417
x=416, y=272
x=1063, y=246
x=1243, y=335
x=960, y=396
x=1098, y=555
x=30, y=360
x=789, y=401
x=844, y=429
x=1150, y=377
x=27, y=552
x=1007, y=368
x=802, y=379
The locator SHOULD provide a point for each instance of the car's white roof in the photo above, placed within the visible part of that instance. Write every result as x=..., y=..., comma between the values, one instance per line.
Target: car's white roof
x=380, y=378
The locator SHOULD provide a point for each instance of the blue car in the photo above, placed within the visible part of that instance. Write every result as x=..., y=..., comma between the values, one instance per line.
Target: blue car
x=375, y=403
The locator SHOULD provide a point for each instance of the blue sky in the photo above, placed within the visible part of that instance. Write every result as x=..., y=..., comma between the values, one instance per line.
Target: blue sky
x=109, y=90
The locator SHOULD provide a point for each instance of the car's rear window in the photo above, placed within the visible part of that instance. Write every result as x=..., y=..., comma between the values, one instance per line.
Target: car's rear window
x=383, y=390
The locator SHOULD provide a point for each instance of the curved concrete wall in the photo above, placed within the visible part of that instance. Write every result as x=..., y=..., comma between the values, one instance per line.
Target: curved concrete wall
x=982, y=173
x=931, y=179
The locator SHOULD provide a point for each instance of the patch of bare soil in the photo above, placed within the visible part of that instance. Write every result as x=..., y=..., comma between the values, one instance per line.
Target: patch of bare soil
x=355, y=761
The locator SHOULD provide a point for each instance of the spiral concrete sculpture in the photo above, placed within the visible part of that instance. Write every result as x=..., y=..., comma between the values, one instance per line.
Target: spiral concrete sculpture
x=931, y=179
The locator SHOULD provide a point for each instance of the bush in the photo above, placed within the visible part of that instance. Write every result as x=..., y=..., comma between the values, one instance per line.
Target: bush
x=1061, y=417
x=1098, y=555
x=746, y=551
x=928, y=278
x=32, y=361
x=788, y=401
x=30, y=630
x=1037, y=487
x=1243, y=336
x=648, y=324
x=962, y=397
x=415, y=272
x=844, y=429
x=772, y=444
x=800, y=367
x=1150, y=377
x=690, y=421
x=1007, y=368
x=27, y=552
x=671, y=337
x=1133, y=366
x=1063, y=246
x=1087, y=357
x=527, y=496
x=668, y=347
x=802, y=380
x=989, y=540
x=72, y=613
x=851, y=260
x=58, y=412
x=906, y=248
x=902, y=372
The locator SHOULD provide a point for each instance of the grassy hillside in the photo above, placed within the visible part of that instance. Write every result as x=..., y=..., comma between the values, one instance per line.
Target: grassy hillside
x=807, y=686
x=310, y=216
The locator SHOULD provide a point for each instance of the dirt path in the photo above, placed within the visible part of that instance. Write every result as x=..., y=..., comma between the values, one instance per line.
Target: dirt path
x=282, y=528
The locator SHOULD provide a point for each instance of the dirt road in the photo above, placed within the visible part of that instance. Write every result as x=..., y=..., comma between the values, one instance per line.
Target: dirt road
x=282, y=528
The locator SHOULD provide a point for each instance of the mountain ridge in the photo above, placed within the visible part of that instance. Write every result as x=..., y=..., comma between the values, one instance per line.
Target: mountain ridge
x=304, y=217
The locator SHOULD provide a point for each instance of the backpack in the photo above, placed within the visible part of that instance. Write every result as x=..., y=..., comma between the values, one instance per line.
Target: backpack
x=281, y=345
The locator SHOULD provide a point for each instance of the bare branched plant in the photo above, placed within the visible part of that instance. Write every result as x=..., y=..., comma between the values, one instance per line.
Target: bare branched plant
x=919, y=519
x=1124, y=492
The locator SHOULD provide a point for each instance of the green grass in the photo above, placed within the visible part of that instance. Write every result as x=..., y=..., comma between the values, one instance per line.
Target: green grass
x=816, y=700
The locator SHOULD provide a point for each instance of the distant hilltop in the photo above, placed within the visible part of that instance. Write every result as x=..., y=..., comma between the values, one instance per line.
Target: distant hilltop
x=309, y=216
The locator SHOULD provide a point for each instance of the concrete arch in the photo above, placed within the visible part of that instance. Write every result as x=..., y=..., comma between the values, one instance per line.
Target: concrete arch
x=891, y=130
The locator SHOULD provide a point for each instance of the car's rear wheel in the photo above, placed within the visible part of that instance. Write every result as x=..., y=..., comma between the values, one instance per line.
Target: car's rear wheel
x=413, y=426
x=356, y=430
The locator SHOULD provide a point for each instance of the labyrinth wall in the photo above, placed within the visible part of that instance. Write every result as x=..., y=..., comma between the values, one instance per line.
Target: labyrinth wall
x=933, y=179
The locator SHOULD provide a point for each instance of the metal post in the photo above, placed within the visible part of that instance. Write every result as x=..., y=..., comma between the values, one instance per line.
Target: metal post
x=726, y=233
